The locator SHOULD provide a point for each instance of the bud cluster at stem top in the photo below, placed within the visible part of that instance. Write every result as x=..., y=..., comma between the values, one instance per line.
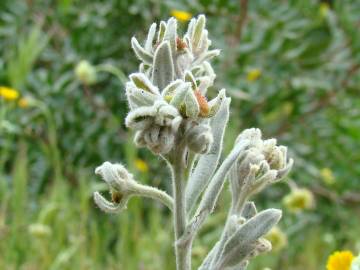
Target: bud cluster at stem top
x=261, y=164
x=170, y=87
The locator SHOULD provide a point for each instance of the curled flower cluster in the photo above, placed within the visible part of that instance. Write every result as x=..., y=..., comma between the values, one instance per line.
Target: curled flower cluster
x=169, y=90
x=122, y=187
x=121, y=183
x=263, y=163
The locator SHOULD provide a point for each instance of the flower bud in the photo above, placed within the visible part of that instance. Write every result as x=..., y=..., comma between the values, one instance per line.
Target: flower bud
x=159, y=140
x=262, y=164
x=199, y=138
x=121, y=184
x=115, y=175
x=85, y=72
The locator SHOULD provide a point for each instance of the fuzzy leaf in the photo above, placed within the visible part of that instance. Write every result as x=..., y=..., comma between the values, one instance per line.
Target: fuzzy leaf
x=192, y=108
x=170, y=33
x=161, y=33
x=249, y=210
x=163, y=68
x=137, y=97
x=198, y=30
x=142, y=82
x=171, y=89
x=206, y=56
x=206, y=264
x=179, y=95
x=215, y=103
x=243, y=241
x=214, y=189
x=150, y=37
x=207, y=164
x=140, y=52
x=190, y=78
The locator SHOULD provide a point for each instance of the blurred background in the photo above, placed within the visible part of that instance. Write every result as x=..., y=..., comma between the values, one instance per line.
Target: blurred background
x=292, y=69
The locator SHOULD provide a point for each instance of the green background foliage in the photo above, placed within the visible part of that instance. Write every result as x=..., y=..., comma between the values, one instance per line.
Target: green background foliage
x=307, y=96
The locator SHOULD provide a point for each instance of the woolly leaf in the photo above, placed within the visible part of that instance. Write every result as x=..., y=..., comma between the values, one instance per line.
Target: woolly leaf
x=140, y=52
x=179, y=95
x=150, y=38
x=161, y=33
x=163, y=68
x=207, y=163
x=198, y=30
x=170, y=33
x=142, y=82
x=192, y=108
x=212, y=192
x=242, y=241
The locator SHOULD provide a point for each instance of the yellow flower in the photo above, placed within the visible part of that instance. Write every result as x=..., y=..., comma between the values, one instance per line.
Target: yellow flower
x=277, y=238
x=141, y=165
x=324, y=9
x=8, y=93
x=340, y=260
x=23, y=103
x=299, y=199
x=182, y=16
x=327, y=176
x=85, y=72
x=253, y=74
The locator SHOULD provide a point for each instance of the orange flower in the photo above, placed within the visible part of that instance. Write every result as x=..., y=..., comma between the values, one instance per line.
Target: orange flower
x=203, y=104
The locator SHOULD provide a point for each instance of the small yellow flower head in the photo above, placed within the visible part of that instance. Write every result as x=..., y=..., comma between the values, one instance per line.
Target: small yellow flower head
x=299, y=199
x=340, y=260
x=327, y=176
x=85, y=72
x=141, y=165
x=277, y=238
x=8, y=93
x=39, y=230
x=324, y=9
x=23, y=102
x=182, y=16
x=253, y=74
x=287, y=108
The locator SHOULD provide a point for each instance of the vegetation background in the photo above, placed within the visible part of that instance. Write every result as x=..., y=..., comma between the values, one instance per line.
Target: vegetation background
x=291, y=67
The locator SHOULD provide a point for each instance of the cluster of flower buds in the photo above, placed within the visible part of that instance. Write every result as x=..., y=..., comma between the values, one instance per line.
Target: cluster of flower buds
x=263, y=163
x=121, y=184
x=122, y=187
x=169, y=89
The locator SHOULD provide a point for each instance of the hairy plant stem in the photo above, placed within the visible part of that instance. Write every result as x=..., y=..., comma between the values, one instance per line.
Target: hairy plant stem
x=182, y=253
x=154, y=193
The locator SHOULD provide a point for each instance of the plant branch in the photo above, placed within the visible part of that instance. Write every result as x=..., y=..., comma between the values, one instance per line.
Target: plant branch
x=183, y=254
x=154, y=193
